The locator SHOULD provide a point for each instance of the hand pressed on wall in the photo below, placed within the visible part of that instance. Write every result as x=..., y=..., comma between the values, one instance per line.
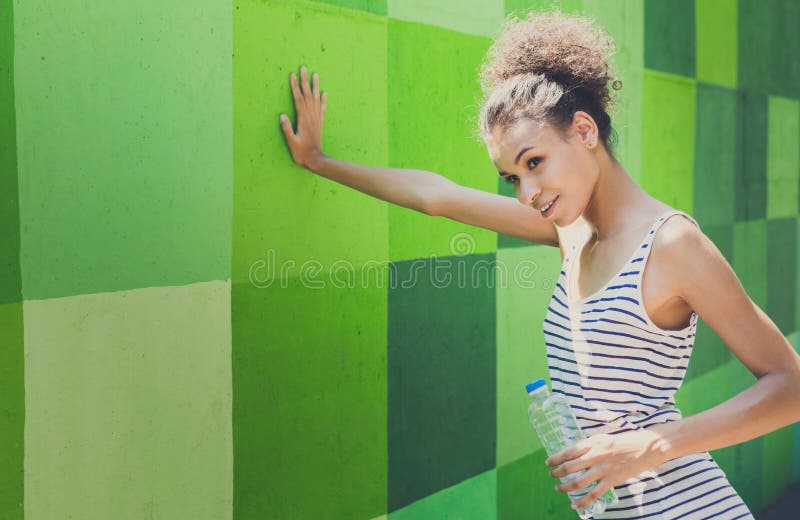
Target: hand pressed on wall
x=609, y=460
x=306, y=144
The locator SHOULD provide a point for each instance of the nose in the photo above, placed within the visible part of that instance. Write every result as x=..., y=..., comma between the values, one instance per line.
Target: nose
x=529, y=191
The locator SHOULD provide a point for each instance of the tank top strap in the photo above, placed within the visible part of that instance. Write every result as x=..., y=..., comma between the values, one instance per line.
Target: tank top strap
x=660, y=221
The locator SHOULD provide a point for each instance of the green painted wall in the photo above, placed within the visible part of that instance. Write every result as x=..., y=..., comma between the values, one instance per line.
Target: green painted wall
x=194, y=327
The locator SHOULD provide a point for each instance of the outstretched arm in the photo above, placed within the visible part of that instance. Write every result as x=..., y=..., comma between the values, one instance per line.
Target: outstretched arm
x=420, y=190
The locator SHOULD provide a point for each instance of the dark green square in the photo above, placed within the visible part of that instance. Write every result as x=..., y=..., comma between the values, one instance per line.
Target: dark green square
x=782, y=272
x=785, y=42
x=715, y=169
x=754, y=64
x=669, y=36
x=442, y=374
x=751, y=156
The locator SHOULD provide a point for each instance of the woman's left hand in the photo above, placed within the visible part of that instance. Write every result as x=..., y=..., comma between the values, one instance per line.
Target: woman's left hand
x=608, y=459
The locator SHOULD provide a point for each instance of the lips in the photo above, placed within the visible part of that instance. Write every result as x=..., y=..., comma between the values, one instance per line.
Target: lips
x=548, y=202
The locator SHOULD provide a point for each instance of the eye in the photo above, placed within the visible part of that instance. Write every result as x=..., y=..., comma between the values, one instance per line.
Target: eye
x=537, y=159
x=512, y=179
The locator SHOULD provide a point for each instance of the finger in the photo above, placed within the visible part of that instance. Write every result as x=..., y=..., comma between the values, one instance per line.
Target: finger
x=324, y=103
x=315, y=89
x=568, y=463
x=580, y=482
x=304, y=83
x=286, y=126
x=566, y=455
x=596, y=492
x=299, y=102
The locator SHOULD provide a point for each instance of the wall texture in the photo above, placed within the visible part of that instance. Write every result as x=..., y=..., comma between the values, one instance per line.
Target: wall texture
x=194, y=327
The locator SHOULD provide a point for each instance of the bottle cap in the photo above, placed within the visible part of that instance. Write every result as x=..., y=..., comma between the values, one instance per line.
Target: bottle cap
x=530, y=387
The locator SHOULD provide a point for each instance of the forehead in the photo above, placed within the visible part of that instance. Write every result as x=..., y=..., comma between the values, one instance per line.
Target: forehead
x=523, y=133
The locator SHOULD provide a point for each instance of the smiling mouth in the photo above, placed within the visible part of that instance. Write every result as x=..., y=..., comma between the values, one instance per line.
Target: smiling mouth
x=544, y=209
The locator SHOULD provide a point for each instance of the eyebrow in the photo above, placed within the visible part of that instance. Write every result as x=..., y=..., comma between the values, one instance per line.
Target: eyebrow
x=519, y=156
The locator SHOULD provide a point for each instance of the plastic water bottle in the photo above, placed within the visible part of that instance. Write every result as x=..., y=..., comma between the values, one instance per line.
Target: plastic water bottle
x=557, y=428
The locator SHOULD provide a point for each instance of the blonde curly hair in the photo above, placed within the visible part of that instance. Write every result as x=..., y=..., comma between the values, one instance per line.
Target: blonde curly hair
x=544, y=67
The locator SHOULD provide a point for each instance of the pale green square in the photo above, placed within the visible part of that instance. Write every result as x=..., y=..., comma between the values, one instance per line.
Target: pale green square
x=525, y=283
x=783, y=156
x=478, y=17
x=305, y=221
x=128, y=404
x=623, y=20
x=716, y=41
x=668, y=112
x=472, y=499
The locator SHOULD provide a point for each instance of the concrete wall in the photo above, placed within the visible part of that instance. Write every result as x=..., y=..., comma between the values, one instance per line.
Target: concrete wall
x=194, y=327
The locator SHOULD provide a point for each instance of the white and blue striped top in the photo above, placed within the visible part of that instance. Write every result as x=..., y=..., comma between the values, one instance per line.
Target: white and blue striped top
x=619, y=371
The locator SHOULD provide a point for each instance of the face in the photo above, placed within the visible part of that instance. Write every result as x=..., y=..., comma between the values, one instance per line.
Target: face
x=543, y=167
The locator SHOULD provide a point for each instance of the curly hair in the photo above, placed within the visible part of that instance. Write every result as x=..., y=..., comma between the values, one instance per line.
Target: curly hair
x=544, y=68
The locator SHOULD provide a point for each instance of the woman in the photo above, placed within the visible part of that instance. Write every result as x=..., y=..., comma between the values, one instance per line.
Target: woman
x=618, y=343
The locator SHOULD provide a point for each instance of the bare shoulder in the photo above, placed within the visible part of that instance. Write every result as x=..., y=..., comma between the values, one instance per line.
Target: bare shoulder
x=683, y=254
x=677, y=236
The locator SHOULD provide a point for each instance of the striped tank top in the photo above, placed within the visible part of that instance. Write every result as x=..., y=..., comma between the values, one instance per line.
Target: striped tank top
x=619, y=372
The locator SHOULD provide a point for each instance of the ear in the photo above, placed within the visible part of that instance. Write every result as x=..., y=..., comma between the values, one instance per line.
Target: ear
x=585, y=128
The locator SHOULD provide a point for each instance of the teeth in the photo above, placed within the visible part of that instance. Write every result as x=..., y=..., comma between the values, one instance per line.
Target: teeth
x=544, y=209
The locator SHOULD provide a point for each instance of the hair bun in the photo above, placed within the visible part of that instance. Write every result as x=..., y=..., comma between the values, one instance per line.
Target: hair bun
x=571, y=50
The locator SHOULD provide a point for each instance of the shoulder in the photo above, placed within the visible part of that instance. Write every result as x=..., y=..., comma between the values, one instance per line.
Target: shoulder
x=687, y=256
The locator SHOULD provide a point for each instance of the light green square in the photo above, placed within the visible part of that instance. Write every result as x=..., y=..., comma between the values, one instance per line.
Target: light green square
x=432, y=92
x=624, y=22
x=716, y=41
x=477, y=17
x=472, y=499
x=128, y=404
x=304, y=220
x=525, y=282
x=668, y=112
x=750, y=258
x=124, y=144
x=783, y=156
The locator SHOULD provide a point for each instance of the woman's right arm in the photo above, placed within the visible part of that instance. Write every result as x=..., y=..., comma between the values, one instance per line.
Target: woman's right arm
x=420, y=190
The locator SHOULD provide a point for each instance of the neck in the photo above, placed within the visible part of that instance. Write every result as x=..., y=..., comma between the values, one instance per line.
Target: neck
x=615, y=201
